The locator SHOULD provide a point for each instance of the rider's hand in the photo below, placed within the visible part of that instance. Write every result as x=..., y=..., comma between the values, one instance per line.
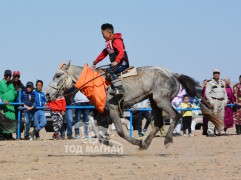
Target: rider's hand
x=94, y=66
x=6, y=102
x=114, y=63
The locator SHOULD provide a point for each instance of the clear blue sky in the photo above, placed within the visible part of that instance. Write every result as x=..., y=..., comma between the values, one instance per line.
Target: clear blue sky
x=190, y=37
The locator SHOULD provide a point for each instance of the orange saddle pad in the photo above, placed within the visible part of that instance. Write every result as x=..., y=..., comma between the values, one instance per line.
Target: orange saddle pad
x=95, y=90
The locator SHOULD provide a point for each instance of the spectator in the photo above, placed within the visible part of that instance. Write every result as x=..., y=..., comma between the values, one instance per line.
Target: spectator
x=16, y=81
x=28, y=99
x=142, y=115
x=228, y=114
x=81, y=100
x=18, y=86
x=217, y=96
x=237, y=109
x=39, y=115
x=57, y=108
x=176, y=102
x=205, y=120
x=186, y=116
x=7, y=94
x=69, y=119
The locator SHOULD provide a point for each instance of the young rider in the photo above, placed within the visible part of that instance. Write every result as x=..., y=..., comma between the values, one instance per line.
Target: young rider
x=119, y=60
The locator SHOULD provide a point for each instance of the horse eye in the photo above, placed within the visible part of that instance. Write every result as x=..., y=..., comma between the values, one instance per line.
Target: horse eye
x=57, y=76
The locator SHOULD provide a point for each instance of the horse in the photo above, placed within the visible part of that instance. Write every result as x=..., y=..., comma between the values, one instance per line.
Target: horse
x=156, y=83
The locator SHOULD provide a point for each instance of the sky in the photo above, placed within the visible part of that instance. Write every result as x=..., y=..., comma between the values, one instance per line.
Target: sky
x=189, y=37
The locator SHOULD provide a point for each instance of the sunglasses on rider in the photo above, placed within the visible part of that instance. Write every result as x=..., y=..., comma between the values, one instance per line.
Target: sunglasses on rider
x=16, y=76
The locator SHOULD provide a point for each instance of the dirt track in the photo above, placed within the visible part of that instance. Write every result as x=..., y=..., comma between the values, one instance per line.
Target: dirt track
x=195, y=157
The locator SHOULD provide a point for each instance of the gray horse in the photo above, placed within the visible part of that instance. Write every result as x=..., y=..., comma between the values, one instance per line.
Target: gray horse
x=155, y=83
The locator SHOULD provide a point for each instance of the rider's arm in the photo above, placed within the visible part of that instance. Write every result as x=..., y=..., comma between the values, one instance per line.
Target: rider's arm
x=118, y=44
x=102, y=55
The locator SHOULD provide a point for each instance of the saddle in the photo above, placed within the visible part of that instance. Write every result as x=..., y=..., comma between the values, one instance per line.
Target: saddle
x=130, y=71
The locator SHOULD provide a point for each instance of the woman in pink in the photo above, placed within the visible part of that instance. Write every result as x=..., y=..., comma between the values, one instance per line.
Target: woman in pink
x=237, y=109
x=228, y=114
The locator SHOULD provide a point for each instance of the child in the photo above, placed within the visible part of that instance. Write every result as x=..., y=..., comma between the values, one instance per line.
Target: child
x=39, y=115
x=28, y=99
x=58, y=108
x=115, y=48
x=186, y=116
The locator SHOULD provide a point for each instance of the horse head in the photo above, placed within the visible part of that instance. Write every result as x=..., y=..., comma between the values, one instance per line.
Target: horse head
x=62, y=81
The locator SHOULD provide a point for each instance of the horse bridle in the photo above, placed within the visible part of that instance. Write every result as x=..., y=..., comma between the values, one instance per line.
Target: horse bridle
x=58, y=89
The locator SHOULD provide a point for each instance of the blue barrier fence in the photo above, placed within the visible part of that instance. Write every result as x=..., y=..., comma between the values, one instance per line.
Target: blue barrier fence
x=149, y=109
x=87, y=107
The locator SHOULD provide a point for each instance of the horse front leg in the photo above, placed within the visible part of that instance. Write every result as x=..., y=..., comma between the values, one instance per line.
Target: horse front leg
x=158, y=123
x=103, y=121
x=114, y=115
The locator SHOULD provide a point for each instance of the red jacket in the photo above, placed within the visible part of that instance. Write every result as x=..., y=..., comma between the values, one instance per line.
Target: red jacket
x=58, y=105
x=117, y=44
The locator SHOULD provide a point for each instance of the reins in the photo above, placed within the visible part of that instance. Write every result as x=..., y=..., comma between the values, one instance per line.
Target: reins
x=101, y=74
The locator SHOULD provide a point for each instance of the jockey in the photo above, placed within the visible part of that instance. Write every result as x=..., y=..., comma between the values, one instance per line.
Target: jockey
x=115, y=48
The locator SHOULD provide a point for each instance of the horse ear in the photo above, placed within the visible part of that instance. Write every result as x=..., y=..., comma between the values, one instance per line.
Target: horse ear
x=66, y=67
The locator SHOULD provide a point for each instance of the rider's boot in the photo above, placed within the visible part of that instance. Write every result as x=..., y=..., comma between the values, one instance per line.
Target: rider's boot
x=117, y=88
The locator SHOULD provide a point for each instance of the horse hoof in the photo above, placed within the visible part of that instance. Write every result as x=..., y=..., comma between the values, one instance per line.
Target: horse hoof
x=143, y=145
x=168, y=140
x=168, y=145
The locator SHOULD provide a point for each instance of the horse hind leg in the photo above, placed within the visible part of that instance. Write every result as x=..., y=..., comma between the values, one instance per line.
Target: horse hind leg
x=166, y=106
x=175, y=116
x=158, y=124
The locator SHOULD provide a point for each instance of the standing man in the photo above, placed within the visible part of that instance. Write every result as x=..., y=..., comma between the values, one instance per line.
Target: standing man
x=68, y=118
x=217, y=96
x=141, y=115
x=7, y=94
x=81, y=100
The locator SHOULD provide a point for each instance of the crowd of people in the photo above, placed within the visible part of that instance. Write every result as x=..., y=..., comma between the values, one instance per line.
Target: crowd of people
x=216, y=92
x=33, y=105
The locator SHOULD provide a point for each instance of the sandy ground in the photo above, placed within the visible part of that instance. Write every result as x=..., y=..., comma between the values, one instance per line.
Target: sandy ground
x=197, y=157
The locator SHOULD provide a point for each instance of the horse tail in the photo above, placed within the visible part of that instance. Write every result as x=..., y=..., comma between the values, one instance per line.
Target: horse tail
x=189, y=84
x=7, y=125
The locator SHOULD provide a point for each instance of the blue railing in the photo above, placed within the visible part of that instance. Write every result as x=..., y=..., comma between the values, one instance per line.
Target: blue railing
x=87, y=107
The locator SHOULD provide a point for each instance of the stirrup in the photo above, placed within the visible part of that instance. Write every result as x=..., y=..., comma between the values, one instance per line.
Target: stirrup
x=117, y=91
